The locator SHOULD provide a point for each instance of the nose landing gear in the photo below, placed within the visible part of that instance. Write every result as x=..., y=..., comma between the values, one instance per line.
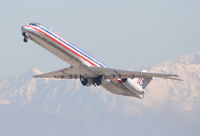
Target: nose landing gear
x=25, y=37
x=25, y=40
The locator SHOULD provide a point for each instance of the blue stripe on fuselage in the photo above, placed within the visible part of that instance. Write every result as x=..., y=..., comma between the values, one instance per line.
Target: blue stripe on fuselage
x=73, y=47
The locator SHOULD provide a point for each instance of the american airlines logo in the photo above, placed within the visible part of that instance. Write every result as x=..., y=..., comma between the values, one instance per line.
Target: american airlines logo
x=140, y=81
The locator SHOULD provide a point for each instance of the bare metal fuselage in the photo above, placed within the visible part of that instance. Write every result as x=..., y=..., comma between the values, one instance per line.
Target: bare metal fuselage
x=73, y=59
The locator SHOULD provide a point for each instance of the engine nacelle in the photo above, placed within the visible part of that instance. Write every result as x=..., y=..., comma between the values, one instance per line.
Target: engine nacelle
x=133, y=86
x=96, y=81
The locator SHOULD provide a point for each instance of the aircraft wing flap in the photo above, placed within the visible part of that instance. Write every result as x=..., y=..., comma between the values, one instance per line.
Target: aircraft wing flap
x=66, y=73
x=109, y=73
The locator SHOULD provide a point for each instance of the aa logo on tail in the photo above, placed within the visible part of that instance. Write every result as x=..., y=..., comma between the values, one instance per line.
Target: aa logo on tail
x=140, y=82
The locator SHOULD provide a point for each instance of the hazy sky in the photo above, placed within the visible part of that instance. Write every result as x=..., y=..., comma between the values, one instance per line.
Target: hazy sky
x=123, y=34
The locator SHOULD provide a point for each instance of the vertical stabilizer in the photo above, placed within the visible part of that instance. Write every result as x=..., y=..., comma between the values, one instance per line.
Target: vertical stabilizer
x=143, y=82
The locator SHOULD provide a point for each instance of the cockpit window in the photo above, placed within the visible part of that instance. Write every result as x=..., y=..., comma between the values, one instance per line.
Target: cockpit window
x=35, y=24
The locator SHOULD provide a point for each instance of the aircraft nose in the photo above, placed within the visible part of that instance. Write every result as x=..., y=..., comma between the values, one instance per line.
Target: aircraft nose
x=24, y=28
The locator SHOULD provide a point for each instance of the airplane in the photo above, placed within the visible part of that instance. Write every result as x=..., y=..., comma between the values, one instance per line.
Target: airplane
x=86, y=68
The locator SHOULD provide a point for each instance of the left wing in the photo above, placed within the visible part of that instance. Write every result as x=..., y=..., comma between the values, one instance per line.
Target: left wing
x=66, y=73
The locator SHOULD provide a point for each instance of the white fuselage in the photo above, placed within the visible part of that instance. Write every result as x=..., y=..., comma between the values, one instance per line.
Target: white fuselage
x=78, y=58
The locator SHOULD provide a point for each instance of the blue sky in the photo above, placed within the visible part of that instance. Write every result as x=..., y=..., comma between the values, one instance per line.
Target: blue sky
x=123, y=34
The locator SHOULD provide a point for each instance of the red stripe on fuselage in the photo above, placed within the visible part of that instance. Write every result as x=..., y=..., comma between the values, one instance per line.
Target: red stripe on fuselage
x=55, y=40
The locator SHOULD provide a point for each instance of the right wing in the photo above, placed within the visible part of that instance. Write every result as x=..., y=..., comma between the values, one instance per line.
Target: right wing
x=109, y=73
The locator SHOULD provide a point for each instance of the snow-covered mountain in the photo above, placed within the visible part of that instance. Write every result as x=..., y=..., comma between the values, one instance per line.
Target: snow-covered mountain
x=183, y=95
x=68, y=100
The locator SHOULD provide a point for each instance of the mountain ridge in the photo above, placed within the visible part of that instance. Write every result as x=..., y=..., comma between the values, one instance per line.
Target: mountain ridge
x=68, y=99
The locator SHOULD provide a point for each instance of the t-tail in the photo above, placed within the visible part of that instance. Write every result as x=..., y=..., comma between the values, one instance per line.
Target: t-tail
x=143, y=82
x=138, y=85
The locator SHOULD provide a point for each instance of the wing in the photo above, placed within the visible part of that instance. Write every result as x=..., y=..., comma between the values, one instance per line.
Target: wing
x=66, y=73
x=109, y=73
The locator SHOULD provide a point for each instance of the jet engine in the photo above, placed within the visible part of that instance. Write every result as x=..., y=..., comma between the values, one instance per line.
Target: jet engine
x=96, y=81
x=132, y=85
x=25, y=37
